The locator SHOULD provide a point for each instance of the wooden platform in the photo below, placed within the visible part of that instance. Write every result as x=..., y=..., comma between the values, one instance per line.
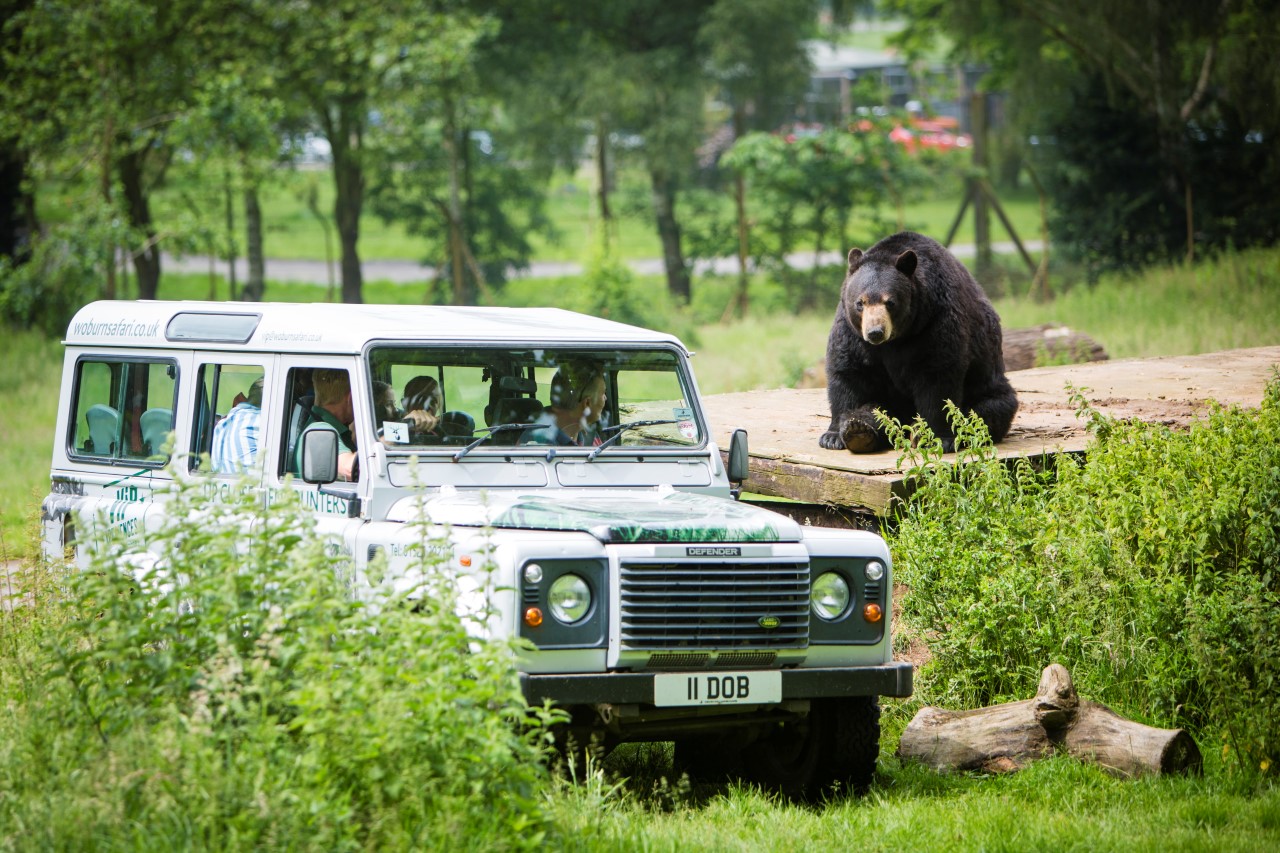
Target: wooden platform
x=783, y=425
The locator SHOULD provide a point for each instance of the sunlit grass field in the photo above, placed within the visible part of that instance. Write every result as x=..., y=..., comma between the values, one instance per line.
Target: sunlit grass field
x=294, y=232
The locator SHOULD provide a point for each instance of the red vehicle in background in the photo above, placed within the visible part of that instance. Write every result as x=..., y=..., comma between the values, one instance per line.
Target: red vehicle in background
x=941, y=134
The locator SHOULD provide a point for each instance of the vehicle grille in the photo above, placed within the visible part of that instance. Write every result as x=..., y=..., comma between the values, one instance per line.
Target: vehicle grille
x=715, y=605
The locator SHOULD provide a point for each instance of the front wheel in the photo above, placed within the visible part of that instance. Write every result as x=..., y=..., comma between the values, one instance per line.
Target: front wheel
x=835, y=745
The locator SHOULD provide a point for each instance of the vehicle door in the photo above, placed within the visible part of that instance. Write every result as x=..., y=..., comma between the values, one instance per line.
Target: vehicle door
x=119, y=433
x=299, y=402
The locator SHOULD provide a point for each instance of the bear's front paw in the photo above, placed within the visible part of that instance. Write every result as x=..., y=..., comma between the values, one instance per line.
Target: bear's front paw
x=831, y=440
x=858, y=436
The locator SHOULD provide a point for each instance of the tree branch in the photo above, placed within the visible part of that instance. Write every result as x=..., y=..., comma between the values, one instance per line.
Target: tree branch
x=1086, y=50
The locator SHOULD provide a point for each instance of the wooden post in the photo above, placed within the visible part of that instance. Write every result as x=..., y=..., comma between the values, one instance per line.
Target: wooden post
x=981, y=211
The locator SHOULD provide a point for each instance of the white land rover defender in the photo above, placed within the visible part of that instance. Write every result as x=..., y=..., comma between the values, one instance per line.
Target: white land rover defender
x=654, y=605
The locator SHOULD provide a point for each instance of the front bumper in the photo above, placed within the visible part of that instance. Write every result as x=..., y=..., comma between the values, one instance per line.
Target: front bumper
x=625, y=688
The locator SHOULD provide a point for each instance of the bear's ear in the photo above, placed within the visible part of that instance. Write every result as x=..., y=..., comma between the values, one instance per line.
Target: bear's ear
x=855, y=255
x=906, y=263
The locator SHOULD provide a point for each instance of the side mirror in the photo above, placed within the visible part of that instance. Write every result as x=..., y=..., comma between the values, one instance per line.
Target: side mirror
x=738, y=456
x=319, y=455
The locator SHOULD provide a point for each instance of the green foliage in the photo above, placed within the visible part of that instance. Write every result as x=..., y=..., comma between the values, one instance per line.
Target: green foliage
x=28, y=407
x=66, y=269
x=228, y=692
x=1115, y=210
x=1150, y=569
x=804, y=190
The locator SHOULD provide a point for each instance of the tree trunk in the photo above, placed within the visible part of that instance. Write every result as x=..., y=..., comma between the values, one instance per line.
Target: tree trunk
x=349, y=184
x=1007, y=737
x=17, y=206
x=602, y=180
x=256, y=286
x=985, y=258
x=228, y=198
x=457, y=239
x=146, y=259
x=742, y=298
x=664, y=205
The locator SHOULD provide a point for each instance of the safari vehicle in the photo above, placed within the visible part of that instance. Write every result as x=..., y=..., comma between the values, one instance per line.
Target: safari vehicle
x=651, y=603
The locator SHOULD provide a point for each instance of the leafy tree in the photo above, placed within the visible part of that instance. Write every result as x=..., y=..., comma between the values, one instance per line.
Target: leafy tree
x=338, y=59
x=757, y=56
x=17, y=202
x=805, y=189
x=1198, y=79
x=633, y=68
x=456, y=186
x=101, y=84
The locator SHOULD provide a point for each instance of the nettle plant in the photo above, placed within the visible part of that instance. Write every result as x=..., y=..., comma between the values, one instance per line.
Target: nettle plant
x=236, y=633
x=1150, y=568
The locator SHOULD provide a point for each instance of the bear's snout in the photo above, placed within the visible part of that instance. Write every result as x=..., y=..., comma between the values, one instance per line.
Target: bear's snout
x=877, y=325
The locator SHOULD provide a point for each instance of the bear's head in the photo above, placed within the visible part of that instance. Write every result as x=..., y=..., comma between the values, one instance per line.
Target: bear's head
x=877, y=296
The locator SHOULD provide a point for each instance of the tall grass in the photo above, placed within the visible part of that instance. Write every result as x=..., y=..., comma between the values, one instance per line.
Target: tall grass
x=1227, y=302
x=28, y=405
x=1056, y=804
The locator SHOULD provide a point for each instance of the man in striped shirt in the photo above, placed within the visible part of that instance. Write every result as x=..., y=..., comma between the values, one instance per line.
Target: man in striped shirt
x=235, y=437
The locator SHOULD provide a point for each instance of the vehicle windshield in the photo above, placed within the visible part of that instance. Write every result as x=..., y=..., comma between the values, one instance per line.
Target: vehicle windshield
x=465, y=399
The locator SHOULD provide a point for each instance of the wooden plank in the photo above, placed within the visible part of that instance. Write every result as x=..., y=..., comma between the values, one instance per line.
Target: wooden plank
x=784, y=424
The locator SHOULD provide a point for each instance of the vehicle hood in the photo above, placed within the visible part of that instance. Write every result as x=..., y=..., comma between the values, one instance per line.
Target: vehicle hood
x=621, y=516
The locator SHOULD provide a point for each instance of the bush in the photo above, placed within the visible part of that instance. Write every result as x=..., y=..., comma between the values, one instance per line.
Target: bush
x=1151, y=569
x=215, y=694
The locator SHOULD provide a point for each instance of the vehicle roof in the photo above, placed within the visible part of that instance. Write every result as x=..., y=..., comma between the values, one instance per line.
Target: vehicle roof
x=344, y=328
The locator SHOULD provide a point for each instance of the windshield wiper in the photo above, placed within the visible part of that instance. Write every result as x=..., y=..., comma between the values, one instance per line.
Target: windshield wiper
x=490, y=432
x=619, y=430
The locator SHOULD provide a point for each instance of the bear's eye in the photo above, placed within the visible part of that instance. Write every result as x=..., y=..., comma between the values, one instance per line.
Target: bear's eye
x=888, y=304
x=860, y=304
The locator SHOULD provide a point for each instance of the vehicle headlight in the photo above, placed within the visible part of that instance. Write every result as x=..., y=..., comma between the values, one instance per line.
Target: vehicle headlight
x=829, y=596
x=569, y=598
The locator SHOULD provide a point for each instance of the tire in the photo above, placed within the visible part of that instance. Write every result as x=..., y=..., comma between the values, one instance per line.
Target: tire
x=836, y=746
x=855, y=730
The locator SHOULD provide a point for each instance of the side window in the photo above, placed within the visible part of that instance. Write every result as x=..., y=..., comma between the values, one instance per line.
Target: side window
x=123, y=410
x=318, y=395
x=228, y=418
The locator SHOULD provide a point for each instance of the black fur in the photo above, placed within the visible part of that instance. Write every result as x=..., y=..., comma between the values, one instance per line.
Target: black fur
x=945, y=344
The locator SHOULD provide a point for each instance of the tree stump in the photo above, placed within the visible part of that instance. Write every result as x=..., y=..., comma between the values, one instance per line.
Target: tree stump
x=1003, y=738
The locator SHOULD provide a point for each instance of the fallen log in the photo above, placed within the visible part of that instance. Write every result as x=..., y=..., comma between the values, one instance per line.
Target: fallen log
x=1038, y=346
x=1007, y=737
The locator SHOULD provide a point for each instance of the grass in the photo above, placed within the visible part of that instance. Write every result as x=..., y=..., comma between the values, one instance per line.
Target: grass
x=1225, y=303
x=29, y=395
x=1056, y=804
x=293, y=231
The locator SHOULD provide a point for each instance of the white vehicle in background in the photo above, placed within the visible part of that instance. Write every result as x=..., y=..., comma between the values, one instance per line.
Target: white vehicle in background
x=652, y=604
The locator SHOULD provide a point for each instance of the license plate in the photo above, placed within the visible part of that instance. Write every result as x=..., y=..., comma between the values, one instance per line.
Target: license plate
x=717, y=688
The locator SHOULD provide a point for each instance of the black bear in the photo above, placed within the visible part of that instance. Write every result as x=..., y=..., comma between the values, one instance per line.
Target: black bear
x=913, y=329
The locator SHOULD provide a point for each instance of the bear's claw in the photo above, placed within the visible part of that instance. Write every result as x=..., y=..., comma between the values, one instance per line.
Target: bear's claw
x=858, y=436
x=831, y=440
